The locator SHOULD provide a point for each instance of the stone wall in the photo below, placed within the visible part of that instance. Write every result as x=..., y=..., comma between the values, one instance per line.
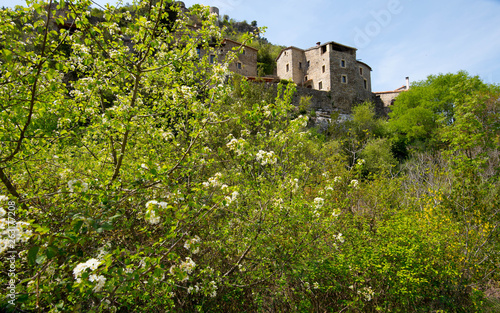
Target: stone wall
x=388, y=97
x=327, y=101
x=247, y=59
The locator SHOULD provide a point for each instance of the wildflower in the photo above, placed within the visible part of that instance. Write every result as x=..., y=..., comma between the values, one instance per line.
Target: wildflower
x=2, y=212
x=99, y=280
x=301, y=121
x=187, y=266
x=192, y=243
x=72, y=183
x=316, y=285
x=295, y=184
x=236, y=145
x=4, y=198
x=151, y=215
x=4, y=245
x=213, y=286
x=213, y=181
x=152, y=218
x=103, y=251
x=319, y=202
x=337, y=179
x=266, y=157
x=354, y=183
x=361, y=162
x=91, y=264
x=232, y=198
x=367, y=292
x=340, y=238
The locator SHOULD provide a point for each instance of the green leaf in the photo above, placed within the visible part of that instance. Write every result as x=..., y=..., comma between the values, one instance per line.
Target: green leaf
x=77, y=226
x=51, y=252
x=32, y=254
x=7, y=54
x=41, y=229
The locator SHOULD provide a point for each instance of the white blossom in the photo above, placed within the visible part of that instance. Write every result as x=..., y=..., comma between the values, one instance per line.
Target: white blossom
x=266, y=157
x=354, y=183
x=213, y=181
x=91, y=264
x=367, y=292
x=213, y=287
x=152, y=218
x=294, y=184
x=319, y=202
x=12, y=233
x=71, y=185
x=99, y=280
x=232, y=198
x=187, y=266
x=190, y=243
x=236, y=145
x=340, y=238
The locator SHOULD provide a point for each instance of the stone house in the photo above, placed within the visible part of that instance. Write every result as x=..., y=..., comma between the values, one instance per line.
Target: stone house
x=246, y=61
x=330, y=67
x=388, y=97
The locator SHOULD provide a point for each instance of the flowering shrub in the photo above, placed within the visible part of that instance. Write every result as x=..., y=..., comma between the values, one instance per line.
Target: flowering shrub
x=144, y=182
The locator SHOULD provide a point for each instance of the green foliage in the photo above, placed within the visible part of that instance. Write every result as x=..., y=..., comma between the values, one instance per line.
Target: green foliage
x=419, y=114
x=304, y=104
x=378, y=156
x=144, y=178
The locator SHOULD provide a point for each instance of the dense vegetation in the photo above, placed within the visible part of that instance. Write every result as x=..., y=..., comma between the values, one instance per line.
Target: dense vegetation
x=144, y=179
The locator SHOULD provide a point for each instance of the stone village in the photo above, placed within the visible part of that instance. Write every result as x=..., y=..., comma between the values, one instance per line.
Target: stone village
x=328, y=72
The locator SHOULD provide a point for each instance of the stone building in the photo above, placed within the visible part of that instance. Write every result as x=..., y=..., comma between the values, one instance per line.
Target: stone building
x=330, y=67
x=388, y=97
x=246, y=61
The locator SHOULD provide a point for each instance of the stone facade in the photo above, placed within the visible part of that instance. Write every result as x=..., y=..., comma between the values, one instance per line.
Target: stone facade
x=388, y=97
x=246, y=62
x=329, y=67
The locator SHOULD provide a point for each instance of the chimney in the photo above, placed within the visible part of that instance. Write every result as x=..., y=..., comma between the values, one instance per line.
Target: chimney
x=407, y=83
x=318, y=43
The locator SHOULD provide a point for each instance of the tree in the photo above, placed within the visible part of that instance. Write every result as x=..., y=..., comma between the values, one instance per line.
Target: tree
x=419, y=115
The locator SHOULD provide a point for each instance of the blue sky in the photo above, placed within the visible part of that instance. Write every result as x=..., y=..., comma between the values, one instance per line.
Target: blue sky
x=397, y=38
